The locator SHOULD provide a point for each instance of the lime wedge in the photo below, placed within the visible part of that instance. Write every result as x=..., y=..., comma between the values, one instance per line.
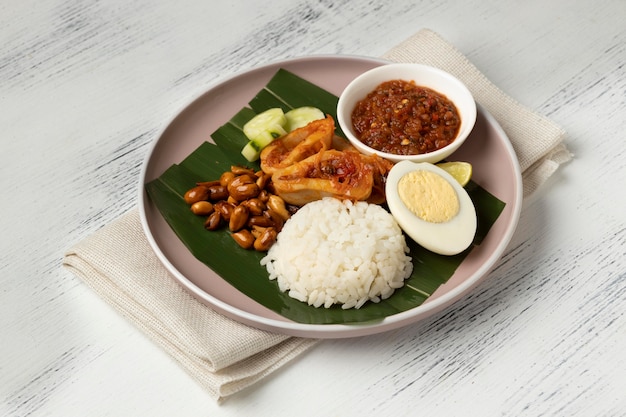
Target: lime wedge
x=460, y=171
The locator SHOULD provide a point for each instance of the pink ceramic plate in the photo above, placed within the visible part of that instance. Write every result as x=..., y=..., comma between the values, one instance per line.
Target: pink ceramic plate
x=495, y=168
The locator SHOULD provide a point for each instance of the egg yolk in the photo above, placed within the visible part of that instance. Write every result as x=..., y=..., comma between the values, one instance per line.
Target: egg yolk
x=429, y=196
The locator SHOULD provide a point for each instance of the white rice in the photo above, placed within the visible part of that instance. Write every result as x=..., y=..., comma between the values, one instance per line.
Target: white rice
x=339, y=252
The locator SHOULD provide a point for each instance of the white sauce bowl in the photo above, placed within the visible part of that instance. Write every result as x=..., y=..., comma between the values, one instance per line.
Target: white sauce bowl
x=423, y=75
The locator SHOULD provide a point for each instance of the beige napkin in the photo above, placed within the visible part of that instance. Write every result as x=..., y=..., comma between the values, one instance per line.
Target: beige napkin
x=225, y=356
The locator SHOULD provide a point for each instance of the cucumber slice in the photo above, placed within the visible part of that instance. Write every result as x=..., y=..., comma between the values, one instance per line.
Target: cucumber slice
x=264, y=138
x=302, y=116
x=251, y=151
x=266, y=126
x=271, y=121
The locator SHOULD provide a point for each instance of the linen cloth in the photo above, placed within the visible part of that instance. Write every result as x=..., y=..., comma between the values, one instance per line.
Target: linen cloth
x=224, y=356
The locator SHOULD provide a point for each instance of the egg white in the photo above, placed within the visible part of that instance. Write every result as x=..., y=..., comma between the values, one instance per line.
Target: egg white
x=446, y=238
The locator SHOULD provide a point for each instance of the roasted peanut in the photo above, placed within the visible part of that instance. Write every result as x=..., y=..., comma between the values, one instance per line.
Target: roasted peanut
x=226, y=178
x=243, y=192
x=265, y=240
x=238, y=218
x=264, y=195
x=257, y=230
x=277, y=204
x=239, y=170
x=225, y=208
x=262, y=180
x=202, y=208
x=197, y=193
x=242, y=179
x=244, y=238
x=240, y=188
x=255, y=205
x=262, y=221
x=275, y=218
x=242, y=199
x=214, y=221
x=218, y=192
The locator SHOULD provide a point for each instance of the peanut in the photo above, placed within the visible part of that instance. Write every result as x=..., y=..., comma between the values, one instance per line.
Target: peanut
x=202, y=208
x=255, y=205
x=277, y=204
x=239, y=170
x=244, y=238
x=242, y=198
x=243, y=192
x=218, y=192
x=214, y=221
x=238, y=218
x=197, y=193
x=226, y=178
x=265, y=240
x=225, y=208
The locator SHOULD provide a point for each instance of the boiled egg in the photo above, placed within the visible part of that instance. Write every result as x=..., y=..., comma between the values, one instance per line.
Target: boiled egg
x=431, y=207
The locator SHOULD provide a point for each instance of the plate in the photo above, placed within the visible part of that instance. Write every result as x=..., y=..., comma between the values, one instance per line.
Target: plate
x=488, y=149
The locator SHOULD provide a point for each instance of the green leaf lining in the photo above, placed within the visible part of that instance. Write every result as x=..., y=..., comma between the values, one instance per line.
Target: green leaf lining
x=242, y=268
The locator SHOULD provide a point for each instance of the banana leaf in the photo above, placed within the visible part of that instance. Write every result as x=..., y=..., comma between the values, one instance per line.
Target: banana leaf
x=241, y=268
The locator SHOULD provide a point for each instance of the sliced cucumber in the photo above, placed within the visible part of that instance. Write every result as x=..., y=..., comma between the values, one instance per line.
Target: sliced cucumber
x=265, y=138
x=271, y=121
x=263, y=128
x=251, y=151
x=302, y=116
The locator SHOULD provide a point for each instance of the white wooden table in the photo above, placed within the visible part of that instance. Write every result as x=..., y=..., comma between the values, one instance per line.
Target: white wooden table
x=85, y=86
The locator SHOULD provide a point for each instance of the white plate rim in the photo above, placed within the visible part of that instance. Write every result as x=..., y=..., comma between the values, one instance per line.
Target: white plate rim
x=332, y=330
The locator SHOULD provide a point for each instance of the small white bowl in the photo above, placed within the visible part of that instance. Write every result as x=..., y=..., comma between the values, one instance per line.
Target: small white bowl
x=423, y=75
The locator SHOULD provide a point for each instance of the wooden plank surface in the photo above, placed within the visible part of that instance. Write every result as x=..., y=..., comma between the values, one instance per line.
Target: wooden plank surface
x=86, y=86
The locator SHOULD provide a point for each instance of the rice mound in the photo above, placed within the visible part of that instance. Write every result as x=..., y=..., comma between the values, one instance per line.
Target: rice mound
x=339, y=252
